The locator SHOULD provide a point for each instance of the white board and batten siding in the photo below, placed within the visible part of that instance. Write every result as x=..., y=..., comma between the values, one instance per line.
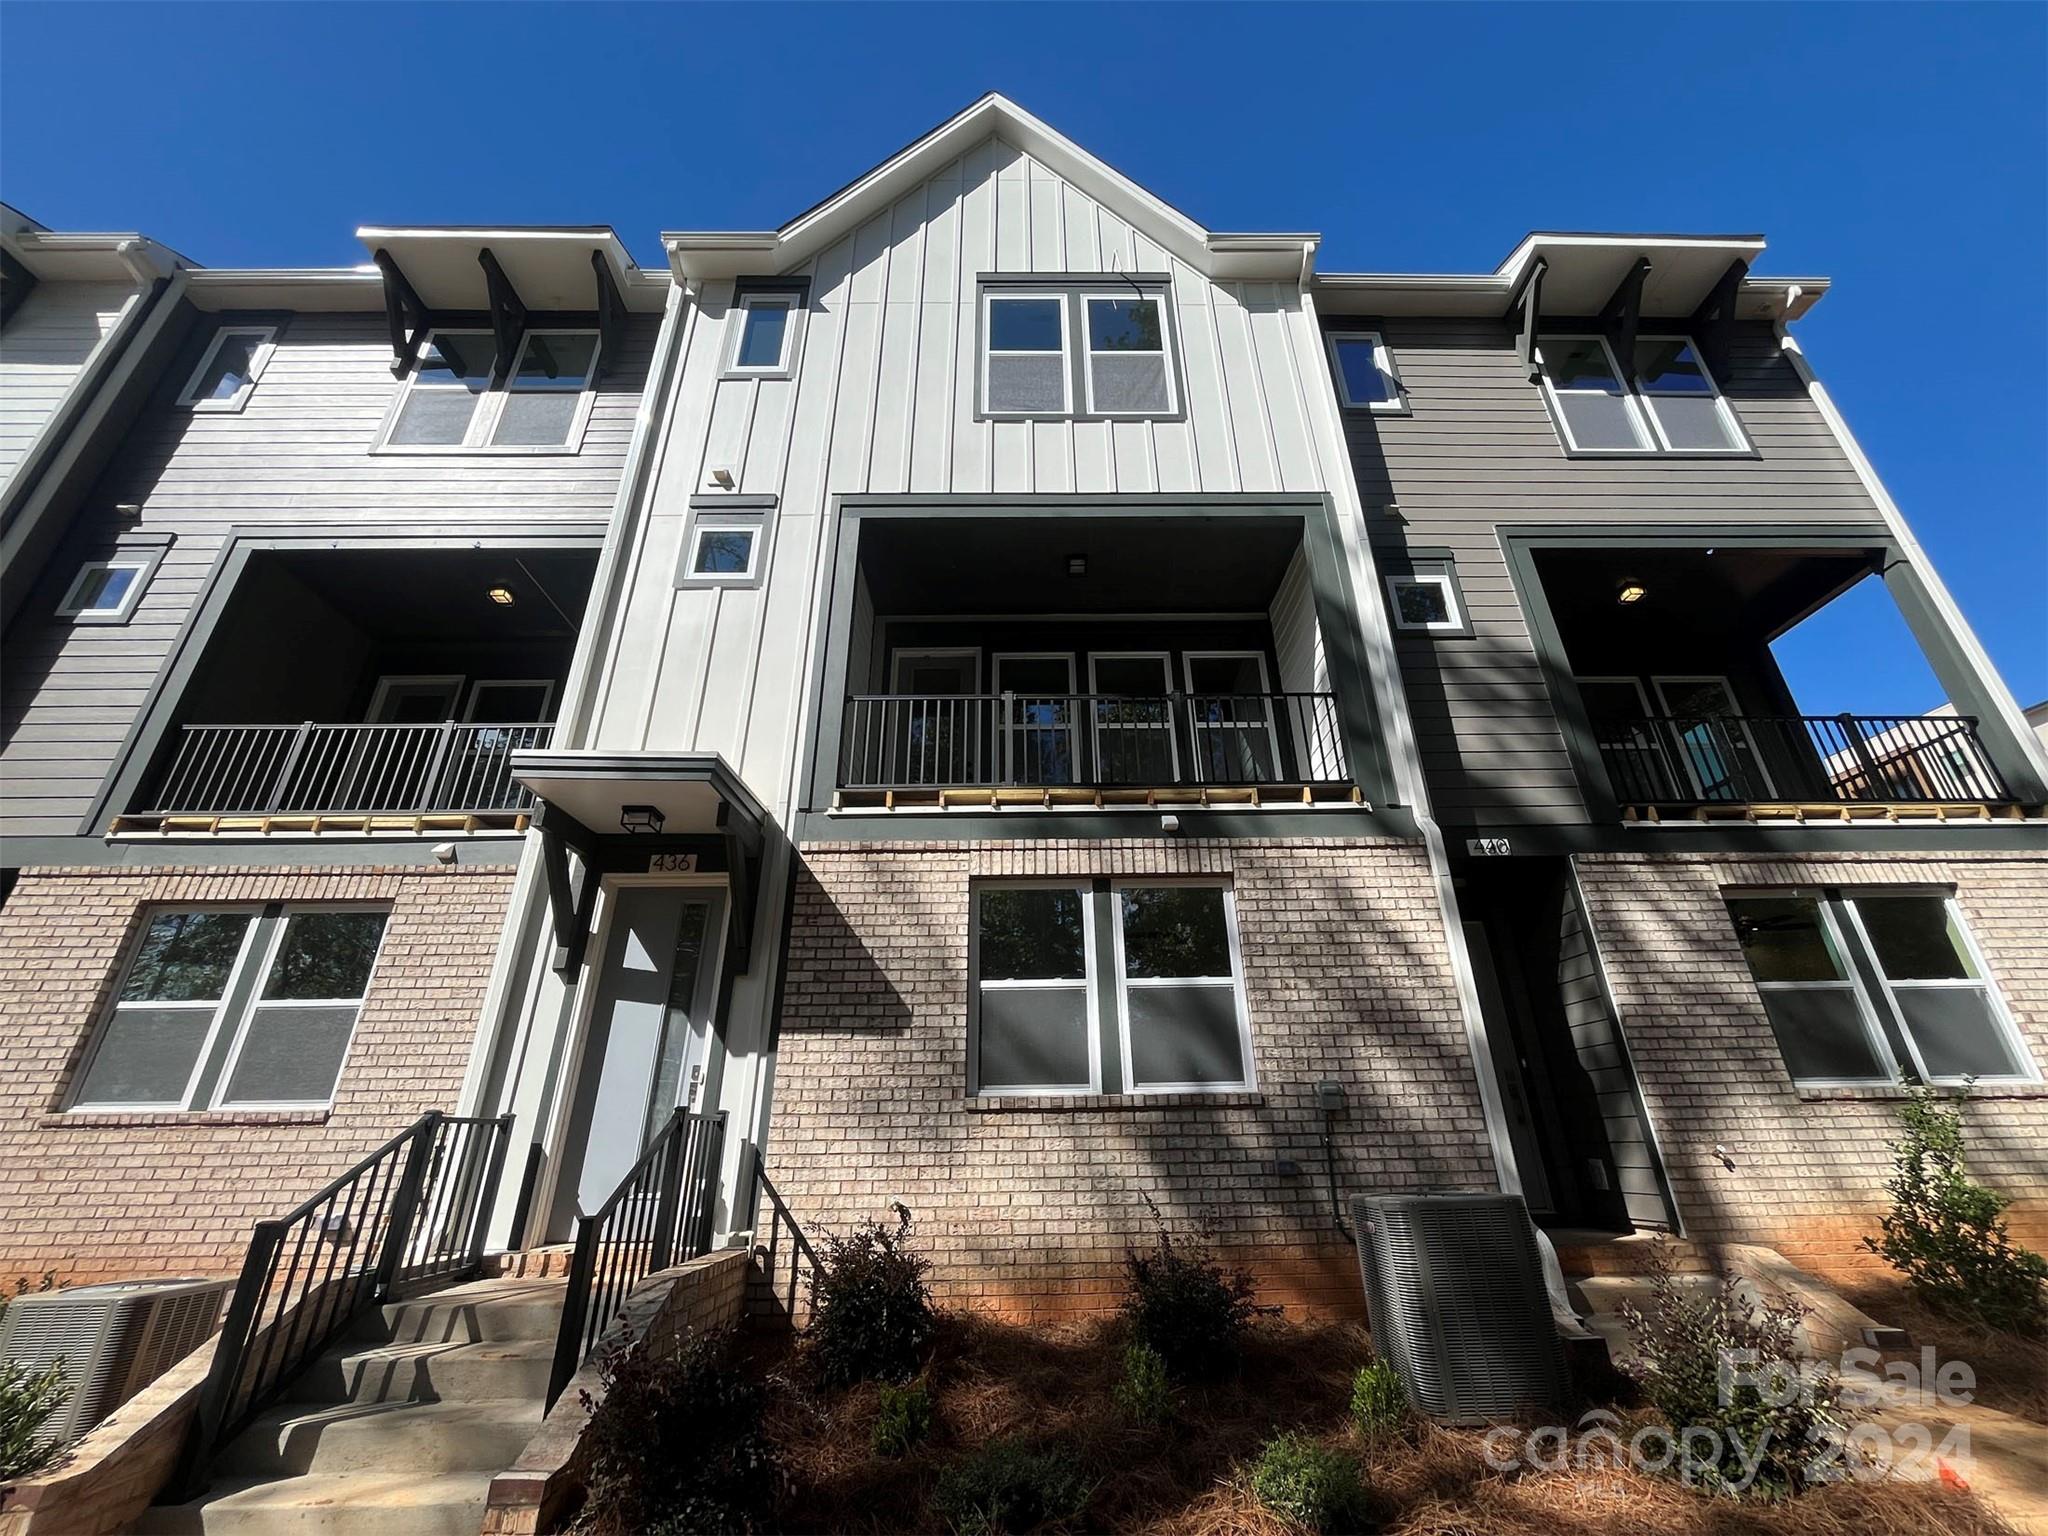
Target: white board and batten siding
x=882, y=401
x=46, y=345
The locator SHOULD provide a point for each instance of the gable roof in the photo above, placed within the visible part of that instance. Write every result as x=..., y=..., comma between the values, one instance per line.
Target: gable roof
x=697, y=256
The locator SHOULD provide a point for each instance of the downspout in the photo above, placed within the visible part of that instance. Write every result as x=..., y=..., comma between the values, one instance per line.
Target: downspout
x=1406, y=760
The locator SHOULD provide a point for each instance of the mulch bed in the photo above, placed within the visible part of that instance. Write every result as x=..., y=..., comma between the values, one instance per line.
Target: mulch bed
x=989, y=1380
x=2012, y=1370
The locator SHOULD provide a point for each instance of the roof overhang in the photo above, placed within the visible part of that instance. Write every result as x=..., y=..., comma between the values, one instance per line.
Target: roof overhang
x=69, y=256
x=706, y=256
x=548, y=265
x=697, y=793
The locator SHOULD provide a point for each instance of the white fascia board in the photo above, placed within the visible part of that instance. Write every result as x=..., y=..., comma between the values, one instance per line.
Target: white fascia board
x=295, y=288
x=1487, y=293
x=77, y=257
x=1540, y=241
x=506, y=240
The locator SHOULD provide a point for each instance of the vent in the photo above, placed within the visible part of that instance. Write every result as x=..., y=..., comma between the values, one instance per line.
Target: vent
x=114, y=1339
x=1454, y=1283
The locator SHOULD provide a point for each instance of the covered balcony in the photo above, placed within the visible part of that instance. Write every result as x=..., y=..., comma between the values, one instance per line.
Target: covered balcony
x=368, y=691
x=1087, y=662
x=1688, y=716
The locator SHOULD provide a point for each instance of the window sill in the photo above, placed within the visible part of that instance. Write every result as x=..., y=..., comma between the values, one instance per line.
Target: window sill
x=484, y=451
x=1894, y=1092
x=1083, y=1103
x=115, y=1119
x=1661, y=454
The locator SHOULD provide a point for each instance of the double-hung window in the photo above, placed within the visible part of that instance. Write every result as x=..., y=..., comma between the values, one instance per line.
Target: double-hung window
x=453, y=400
x=1024, y=358
x=1664, y=402
x=1877, y=988
x=1128, y=373
x=233, y=1008
x=232, y=363
x=547, y=393
x=1079, y=351
x=1131, y=986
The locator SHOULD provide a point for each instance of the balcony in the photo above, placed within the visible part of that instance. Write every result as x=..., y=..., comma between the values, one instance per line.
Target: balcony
x=1093, y=749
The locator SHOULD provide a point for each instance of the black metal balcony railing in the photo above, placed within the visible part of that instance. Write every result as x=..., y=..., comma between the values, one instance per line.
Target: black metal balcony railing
x=1748, y=759
x=239, y=770
x=1090, y=740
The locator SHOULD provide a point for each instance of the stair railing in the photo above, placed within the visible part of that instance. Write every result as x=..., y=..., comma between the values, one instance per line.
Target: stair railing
x=784, y=1256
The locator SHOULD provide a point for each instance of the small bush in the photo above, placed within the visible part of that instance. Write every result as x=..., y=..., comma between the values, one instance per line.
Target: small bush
x=1185, y=1305
x=1707, y=1358
x=871, y=1311
x=28, y=1399
x=906, y=1418
x=676, y=1444
x=1946, y=1234
x=1311, y=1484
x=1379, y=1403
x=1145, y=1395
x=1009, y=1486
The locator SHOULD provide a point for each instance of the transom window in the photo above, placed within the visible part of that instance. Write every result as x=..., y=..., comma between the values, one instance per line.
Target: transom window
x=1079, y=351
x=1667, y=402
x=1876, y=988
x=228, y=371
x=1044, y=954
x=451, y=404
x=1366, y=380
x=234, y=1008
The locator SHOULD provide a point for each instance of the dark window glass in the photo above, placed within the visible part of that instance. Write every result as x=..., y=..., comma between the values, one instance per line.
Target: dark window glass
x=325, y=955
x=1956, y=1031
x=103, y=589
x=724, y=551
x=185, y=957
x=1579, y=363
x=1423, y=602
x=1364, y=384
x=761, y=337
x=291, y=1055
x=1175, y=930
x=1024, y=325
x=1783, y=940
x=233, y=362
x=1914, y=939
x=1821, y=1035
x=1032, y=1038
x=1185, y=1035
x=1670, y=367
x=556, y=361
x=1032, y=934
x=459, y=357
x=145, y=1055
x=1124, y=325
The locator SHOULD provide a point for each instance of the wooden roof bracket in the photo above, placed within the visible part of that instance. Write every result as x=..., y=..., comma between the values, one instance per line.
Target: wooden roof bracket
x=1621, y=316
x=611, y=314
x=570, y=901
x=1529, y=296
x=402, y=309
x=508, y=314
x=1713, y=324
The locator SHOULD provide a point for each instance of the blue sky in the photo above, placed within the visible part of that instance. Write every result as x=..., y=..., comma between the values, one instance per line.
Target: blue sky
x=1900, y=149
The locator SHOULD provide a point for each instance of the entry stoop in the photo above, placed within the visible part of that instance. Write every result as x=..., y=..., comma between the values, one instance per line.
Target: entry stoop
x=398, y=1430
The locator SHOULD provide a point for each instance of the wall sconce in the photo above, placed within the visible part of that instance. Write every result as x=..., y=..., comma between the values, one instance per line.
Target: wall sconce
x=1630, y=591
x=722, y=478
x=641, y=818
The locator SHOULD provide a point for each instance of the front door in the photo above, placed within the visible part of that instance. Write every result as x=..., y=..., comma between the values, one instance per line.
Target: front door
x=647, y=1046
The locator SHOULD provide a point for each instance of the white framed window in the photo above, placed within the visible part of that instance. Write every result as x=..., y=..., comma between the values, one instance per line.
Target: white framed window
x=509, y=701
x=1230, y=707
x=1666, y=402
x=226, y=1007
x=450, y=405
x=723, y=551
x=1685, y=408
x=1135, y=738
x=1595, y=409
x=1826, y=1031
x=234, y=360
x=1033, y=1026
x=1954, y=1023
x=107, y=590
x=1129, y=371
x=1425, y=600
x=1024, y=364
x=415, y=699
x=546, y=398
x=764, y=329
x=1182, y=1021
x=1719, y=752
x=1036, y=716
x=441, y=405
x=1364, y=370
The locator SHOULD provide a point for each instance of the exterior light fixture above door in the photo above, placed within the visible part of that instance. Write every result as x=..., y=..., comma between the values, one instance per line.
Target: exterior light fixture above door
x=641, y=818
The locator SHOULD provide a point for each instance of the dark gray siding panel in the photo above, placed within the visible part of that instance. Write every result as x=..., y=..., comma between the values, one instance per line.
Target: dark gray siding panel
x=298, y=454
x=1478, y=453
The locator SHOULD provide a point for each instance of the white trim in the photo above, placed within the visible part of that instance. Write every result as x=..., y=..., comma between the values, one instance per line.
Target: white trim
x=1732, y=718
x=2002, y=1021
x=1248, y=1078
x=1170, y=726
x=545, y=684
x=1383, y=360
x=1165, y=353
x=71, y=608
x=1441, y=580
x=1007, y=730
x=453, y=681
x=1738, y=442
x=1086, y=984
x=1646, y=441
x=790, y=300
x=1197, y=725
x=751, y=527
x=259, y=359
x=992, y=296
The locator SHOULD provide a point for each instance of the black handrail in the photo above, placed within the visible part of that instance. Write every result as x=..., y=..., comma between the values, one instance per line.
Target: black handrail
x=768, y=1255
x=413, y=1212
x=662, y=1213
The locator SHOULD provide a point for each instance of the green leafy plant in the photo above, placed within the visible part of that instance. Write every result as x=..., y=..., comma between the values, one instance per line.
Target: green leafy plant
x=1946, y=1233
x=871, y=1310
x=1145, y=1395
x=1710, y=1359
x=905, y=1419
x=1010, y=1486
x=1311, y=1484
x=1186, y=1305
x=676, y=1444
x=1379, y=1403
x=28, y=1398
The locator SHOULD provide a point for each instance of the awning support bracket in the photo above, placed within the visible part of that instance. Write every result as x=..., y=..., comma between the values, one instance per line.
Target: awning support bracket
x=402, y=309
x=1621, y=316
x=508, y=314
x=1530, y=298
x=742, y=862
x=611, y=314
x=570, y=902
x=1713, y=323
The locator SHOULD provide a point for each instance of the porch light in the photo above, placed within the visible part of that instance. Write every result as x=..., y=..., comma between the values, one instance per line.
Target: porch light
x=640, y=818
x=1630, y=591
x=502, y=596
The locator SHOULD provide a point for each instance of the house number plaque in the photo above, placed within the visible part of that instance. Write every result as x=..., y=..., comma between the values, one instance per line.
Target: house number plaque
x=1488, y=847
x=671, y=863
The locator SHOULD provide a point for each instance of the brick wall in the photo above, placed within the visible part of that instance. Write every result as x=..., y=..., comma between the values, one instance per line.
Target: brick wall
x=107, y=1196
x=1809, y=1165
x=1026, y=1205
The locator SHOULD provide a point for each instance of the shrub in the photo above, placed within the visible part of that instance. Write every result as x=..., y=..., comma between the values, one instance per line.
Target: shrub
x=676, y=1444
x=1709, y=1359
x=1145, y=1395
x=906, y=1418
x=28, y=1397
x=1310, y=1484
x=1009, y=1485
x=871, y=1311
x=1379, y=1403
x=1185, y=1305
x=1946, y=1234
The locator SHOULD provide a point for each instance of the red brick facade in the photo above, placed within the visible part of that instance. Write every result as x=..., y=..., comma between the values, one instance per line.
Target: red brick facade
x=108, y=1196
x=1026, y=1205
x=1809, y=1165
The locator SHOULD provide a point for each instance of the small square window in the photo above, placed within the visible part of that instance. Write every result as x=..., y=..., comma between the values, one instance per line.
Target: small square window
x=1366, y=380
x=723, y=548
x=1427, y=599
x=765, y=333
x=106, y=589
x=228, y=371
x=1024, y=364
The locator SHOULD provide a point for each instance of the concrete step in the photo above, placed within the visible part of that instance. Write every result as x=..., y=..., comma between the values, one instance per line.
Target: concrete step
x=484, y=1312
x=428, y=1373
x=297, y=1438
x=390, y=1504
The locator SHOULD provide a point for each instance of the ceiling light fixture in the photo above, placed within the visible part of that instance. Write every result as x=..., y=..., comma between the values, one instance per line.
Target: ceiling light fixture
x=1630, y=591
x=641, y=818
x=502, y=596
x=1077, y=565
